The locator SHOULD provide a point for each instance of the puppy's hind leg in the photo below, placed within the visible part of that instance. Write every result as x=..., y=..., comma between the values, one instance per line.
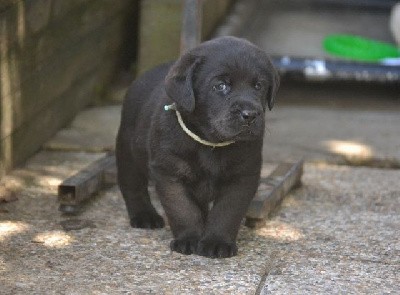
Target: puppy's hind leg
x=133, y=183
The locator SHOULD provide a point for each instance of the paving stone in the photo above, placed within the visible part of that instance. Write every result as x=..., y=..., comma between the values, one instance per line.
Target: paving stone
x=362, y=137
x=105, y=255
x=93, y=130
x=293, y=132
x=347, y=219
x=336, y=234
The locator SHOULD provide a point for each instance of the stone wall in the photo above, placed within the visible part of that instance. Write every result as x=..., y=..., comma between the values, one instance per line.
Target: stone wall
x=57, y=56
x=160, y=25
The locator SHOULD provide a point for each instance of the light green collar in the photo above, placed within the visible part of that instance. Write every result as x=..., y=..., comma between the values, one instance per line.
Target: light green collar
x=190, y=133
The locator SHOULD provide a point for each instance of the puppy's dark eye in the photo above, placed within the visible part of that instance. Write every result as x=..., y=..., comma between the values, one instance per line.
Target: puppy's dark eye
x=258, y=86
x=222, y=87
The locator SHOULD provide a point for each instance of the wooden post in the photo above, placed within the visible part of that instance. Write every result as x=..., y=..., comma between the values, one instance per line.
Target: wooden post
x=191, y=24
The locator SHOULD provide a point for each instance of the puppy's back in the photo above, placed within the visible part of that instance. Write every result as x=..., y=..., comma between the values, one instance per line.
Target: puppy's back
x=139, y=94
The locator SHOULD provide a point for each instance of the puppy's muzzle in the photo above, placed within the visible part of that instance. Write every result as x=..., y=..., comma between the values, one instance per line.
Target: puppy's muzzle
x=248, y=116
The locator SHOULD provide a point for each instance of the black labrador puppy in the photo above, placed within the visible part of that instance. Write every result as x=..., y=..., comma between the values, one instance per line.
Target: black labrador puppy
x=195, y=127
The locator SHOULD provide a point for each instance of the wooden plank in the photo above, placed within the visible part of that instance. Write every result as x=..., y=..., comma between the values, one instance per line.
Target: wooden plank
x=110, y=175
x=272, y=190
x=81, y=186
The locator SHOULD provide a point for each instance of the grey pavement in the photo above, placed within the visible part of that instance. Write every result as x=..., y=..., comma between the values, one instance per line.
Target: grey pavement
x=336, y=123
x=366, y=134
x=347, y=220
x=106, y=256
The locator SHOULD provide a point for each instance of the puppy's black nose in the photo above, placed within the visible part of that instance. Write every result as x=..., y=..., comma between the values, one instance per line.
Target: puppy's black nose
x=249, y=116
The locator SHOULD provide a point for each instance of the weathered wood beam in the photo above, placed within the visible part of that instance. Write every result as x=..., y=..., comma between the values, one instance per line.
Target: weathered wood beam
x=73, y=191
x=272, y=190
x=89, y=181
x=191, y=24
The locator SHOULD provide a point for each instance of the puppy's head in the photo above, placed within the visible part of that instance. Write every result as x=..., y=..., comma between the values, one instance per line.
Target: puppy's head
x=223, y=88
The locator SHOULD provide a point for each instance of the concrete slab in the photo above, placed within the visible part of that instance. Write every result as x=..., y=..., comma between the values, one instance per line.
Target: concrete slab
x=337, y=233
x=93, y=130
x=334, y=131
x=35, y=185
x=347, y=220
x=106, y=256
x=356, y=137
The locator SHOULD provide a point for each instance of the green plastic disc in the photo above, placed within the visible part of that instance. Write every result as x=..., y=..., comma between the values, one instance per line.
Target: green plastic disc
x=359, y=48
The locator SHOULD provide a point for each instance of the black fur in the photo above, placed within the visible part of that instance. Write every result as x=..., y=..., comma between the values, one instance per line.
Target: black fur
x=222, y=89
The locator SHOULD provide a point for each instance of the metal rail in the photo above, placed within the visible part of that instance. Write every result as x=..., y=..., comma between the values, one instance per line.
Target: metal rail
x=318, y=69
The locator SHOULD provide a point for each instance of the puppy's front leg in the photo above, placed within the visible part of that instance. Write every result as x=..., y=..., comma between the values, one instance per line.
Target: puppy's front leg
x=185, y=216
x=222, y=226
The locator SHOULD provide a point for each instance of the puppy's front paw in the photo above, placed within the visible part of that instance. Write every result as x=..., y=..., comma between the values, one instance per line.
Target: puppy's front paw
x=185, y=246
x=216, y=249
x=147, y=220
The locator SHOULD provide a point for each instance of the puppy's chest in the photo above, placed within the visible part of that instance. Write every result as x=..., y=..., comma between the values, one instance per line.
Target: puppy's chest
x=211, y=164
x=207, y=171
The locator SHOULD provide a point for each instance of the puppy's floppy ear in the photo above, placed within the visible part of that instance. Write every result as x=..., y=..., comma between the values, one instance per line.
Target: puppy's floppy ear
x=179, y=81
x=273, y=88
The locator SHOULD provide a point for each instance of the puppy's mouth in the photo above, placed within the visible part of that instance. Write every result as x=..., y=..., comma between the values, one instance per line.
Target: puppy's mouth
x=231, y=129
x=248, y=133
